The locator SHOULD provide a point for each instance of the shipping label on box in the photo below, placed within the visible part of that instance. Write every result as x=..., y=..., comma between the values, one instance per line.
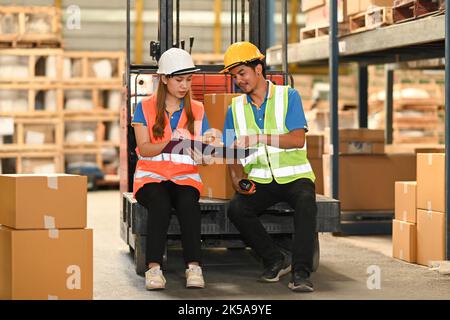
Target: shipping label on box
x=405, y=201
x=46, y=265
x=29, y=201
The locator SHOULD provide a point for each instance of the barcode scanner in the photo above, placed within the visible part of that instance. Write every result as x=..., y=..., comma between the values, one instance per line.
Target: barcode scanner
x=247, y=185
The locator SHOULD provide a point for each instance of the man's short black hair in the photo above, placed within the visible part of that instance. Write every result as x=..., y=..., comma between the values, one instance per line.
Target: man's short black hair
x=254, y=63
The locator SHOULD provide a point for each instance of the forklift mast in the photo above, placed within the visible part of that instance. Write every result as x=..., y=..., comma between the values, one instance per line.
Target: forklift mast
x=208, y=80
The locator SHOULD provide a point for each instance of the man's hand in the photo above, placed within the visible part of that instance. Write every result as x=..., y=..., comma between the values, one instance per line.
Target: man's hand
x=237, y=188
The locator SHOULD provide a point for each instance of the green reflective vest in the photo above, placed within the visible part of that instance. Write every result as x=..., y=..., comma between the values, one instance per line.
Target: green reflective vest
x=285, y=165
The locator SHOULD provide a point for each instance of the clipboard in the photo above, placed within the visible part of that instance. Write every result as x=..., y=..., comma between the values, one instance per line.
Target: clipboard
x=180, y=146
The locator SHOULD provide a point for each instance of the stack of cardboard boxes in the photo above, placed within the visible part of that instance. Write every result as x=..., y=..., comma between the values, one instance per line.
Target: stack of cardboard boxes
x=45, y=250
x=366, y=174
x=419, y=225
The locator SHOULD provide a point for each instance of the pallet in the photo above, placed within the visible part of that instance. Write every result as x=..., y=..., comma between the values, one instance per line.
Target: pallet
x=85, y=61
x=365, y=223
x=20, y=36
x=18, y=161
x=133, y=222
x=371, y=19
x=315, y=32
x=407, y=10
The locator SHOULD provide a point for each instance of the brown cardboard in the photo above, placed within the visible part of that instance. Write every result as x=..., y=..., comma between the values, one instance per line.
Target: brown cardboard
x=43, y=201
x=216, y=182
x=431, y=181
x=311, y=4
x=357, y=141
x=367, y=182
x=35, y=266
x=320, y=16
x=216, y=106
x=404, y=237
x=317, y=167
x=357, y=6
x=430, y=236
x=314, y=145
x=405, y=201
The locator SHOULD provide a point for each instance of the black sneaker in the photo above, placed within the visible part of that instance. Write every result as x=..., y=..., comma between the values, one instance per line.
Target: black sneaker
x=273, y=272
x=300, y=282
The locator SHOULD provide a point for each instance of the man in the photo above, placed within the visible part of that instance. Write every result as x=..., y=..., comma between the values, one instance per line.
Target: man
x=271, y=119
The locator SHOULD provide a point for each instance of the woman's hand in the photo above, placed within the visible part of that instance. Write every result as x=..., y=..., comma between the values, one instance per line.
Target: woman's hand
x=200, y=158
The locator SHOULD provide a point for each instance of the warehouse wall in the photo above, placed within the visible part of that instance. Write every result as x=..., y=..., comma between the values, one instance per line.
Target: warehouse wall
x=103, y=23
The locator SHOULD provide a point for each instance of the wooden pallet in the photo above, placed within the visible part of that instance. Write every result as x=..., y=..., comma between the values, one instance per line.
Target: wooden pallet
x=406, y=10
x=371, y=19
x=20, y=35
x=85, y=61
x=315, y=32
x=36, y=62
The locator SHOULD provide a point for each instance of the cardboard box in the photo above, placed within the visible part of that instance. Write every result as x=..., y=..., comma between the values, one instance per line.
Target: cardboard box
x=314, y=145
x=357, y=6
x=311, y=4
x=367, y=182
x=42, y=265
x=216, y=107
x=430, y=236
x=317, y=167
x=405, y=201
x=357, y=141
x=431, y=181
x=55, y=201
x=320, y=16
x=216, y=182
x=404, y=237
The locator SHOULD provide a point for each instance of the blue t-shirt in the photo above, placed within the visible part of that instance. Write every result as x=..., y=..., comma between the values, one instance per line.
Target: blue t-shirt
x=295, y=116
x=174, y=119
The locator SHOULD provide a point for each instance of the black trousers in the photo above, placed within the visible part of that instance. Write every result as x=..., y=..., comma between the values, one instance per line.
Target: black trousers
x=244, y=211
x=159, y=199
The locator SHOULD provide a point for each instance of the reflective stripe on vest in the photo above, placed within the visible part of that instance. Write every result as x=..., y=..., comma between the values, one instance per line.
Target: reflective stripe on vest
x=175, y=158
x=147, y=174
x=285, y=165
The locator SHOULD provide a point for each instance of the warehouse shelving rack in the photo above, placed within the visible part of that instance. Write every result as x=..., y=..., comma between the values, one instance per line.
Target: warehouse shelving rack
x=425, y=38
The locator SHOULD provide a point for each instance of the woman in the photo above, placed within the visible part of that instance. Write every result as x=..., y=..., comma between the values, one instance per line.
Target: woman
x=162, y=180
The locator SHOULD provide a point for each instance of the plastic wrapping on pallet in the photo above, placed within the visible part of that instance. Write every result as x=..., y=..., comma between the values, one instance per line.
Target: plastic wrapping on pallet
x=114, y=132
x=78, y=100
x=50, y=100
x=102, y=68
x=13, y=67
x=39, y=23
x=80, y=132
x=67, y=68
x=8, y=24
x=114, y=100
x=13, y=101
x=50, y=67
x=38, y=166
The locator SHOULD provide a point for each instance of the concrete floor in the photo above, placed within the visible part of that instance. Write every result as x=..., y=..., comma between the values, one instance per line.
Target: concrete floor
x=232, y=274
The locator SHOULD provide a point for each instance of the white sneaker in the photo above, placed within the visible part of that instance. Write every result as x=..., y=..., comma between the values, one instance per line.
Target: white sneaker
x=194, y=277
x=154, y=279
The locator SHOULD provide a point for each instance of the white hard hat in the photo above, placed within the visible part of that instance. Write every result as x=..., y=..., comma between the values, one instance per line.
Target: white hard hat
x=176, y=61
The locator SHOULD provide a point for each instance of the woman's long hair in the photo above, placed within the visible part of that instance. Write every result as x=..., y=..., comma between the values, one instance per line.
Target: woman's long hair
x=160, y=123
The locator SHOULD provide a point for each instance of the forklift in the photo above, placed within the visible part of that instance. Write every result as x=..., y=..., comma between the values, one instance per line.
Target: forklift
x=216, y=229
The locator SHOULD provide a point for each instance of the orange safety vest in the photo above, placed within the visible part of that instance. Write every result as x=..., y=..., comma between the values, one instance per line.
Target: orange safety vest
x=179, y=168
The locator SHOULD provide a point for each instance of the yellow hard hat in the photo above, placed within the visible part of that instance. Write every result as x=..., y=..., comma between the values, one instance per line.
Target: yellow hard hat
x=240, y=52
